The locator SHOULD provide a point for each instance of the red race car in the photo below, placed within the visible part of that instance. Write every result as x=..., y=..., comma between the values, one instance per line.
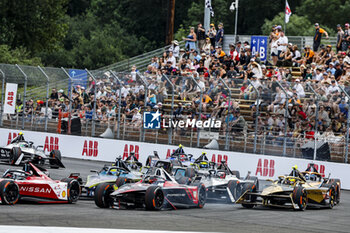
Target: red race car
x=32, y=184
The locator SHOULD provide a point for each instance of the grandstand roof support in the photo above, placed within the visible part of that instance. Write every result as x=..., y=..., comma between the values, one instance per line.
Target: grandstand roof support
x=24, y=92
x=2, y=94
x=316, y=117
x=200, y=107
x=256, y=115
x=170, y=133
x=47, y=95
x=119, y=101
x=285, y=119
x=347, y=125
x=94, y=107
x=228, y=110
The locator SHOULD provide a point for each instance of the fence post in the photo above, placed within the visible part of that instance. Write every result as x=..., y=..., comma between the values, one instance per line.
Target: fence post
x=142, y=139
x=172, y=108
x=285, y=119
x=347, y=125
x=70, y=100
x=228, y=111
x=119, y=101
x=200, y=106
x=2, y=95
x=47, y=95
x=316, y=117
x=94, y=107
x=24, y=93
x=256, y=115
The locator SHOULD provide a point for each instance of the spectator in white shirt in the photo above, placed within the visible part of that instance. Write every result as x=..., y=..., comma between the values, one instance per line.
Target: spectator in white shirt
x=282, y=44
x=333, y=87
x=172, y=59
x=299, y=88
x=175, y=48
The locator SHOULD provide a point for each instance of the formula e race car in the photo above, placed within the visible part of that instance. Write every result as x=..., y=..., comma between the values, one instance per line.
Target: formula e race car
x=117, y=173
x=292, y=191
x=156, y=191
x=32, y=184
x=20, y=151
x=217, y=178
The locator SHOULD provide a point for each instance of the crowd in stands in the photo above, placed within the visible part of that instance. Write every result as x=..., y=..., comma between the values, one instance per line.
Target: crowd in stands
x=287, y=104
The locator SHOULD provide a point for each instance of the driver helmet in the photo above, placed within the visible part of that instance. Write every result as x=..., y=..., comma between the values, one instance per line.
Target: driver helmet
x=151, y=179
x=182, y=157
x=295, y=167
x=180, y=146
x=204, y=164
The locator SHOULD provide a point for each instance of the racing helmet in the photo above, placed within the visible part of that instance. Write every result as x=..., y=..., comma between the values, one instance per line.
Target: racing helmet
x=204, y=164
x=180, y=146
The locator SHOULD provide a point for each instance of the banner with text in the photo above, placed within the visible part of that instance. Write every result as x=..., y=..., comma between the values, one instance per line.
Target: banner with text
x=262, y=166
x=10, y=98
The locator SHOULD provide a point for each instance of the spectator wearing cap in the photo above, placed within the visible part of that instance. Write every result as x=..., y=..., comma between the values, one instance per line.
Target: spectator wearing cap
x=212, y=34
x=206, y=46
x=331, y=68
x=338, y=71
x=200, y=35
x=299, y=88
x=54, y=94
x=234, y=56
x=318, y=35
x=219, y=54
x=346, y=38
x=191, y=40
x=175, y=48
x=220, y=35
x=340, y=34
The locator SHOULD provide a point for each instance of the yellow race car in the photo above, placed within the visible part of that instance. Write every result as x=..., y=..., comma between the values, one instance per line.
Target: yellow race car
x=296, y=191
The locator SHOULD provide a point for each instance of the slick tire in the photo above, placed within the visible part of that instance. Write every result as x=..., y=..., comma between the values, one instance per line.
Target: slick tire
x=300, y=197
x=73, y=190
x=55, y=156
x=202, y=195
x=15, y=153
x=154, y=198
x=235, y=190
x=102, y=195
x=9, y=192
x=332, y=197
x=120, y=181
x=251, y=187
x=337, y=187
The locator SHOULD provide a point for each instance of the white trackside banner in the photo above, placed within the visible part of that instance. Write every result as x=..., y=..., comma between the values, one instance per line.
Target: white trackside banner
x=10, y=98
x=262, y=166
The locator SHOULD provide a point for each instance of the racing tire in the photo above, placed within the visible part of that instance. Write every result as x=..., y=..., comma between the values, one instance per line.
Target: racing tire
x=120, y=181
x=202, y=195
x=336, y=184
x=250, y=198
x=102, y=195
x=154, y=198
x=235, y=190
x=55, y=156
x=236, y=173
x=190, y=172
x=73, y=189
x=184, y=180
x=300, y=197
x=9, y=192
x=332, y=198
x=15, y=153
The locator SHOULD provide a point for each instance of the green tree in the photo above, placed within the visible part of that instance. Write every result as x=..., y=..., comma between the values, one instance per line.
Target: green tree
x=36, y=24
x=297, y=26
x=17, y=56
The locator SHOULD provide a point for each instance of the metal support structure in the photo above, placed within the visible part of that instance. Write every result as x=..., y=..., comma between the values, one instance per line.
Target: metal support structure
x=236, y=19
x=206, y=17
x=70, y=98
x=228, y=111
x=119, y=101
x=24, y=92
x=170, y=133
x=256, y=114
x=285, y=119
x=142, y=139
x=318, y=97
x=93, y=125
x=47, y=95
x=200, y=106
x=2, y=95
x=347, y=125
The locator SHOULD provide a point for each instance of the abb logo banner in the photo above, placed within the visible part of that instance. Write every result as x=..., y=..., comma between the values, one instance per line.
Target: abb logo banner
x=90, y=148
x=11, y=92
x=131, y=148
x=214, y=158
x=265, y=168
x=10, y=137
x=51, y=143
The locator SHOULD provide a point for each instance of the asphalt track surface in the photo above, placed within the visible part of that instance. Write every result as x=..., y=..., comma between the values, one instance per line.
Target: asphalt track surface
x=212, y=218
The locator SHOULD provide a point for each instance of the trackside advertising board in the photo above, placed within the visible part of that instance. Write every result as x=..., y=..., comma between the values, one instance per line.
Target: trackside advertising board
x=262, y=166
x=10, y=98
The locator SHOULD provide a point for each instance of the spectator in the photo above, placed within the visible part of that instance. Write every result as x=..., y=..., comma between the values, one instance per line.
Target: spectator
x=200, y=36
x=282, y=43
x=340, y=34
x=212, y=34
x=175, y=49
x=318, y=35
x=191, y=40
x=171, y=59
x=220, y=35
x=54, y=94
x=346, y=38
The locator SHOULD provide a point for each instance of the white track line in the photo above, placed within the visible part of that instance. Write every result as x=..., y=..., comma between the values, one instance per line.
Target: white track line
x=32, y=229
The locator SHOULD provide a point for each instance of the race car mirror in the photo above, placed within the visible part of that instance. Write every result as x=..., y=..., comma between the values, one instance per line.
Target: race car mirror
x=94, y=171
